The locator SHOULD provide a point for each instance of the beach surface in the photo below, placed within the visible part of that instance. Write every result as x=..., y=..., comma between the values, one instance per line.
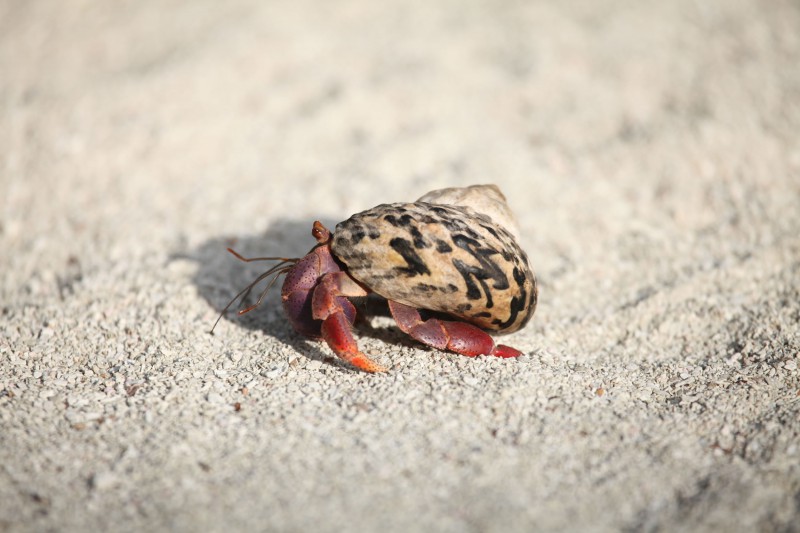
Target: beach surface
x=649, y=150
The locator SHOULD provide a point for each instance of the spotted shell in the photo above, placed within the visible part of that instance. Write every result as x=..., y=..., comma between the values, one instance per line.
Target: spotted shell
x=444, y=258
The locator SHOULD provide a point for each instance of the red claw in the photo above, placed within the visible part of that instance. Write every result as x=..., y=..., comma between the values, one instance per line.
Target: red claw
x=506, y=351
x=458, y=337
x=315, y=298
x=337, y=333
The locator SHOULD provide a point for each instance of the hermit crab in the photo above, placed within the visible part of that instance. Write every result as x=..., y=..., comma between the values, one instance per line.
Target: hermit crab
x=452, y=255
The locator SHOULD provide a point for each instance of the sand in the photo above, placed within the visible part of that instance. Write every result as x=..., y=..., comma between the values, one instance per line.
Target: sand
x=649, y=149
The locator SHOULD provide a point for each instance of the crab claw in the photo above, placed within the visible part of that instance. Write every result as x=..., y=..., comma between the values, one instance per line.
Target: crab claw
x=336, y=332
x=330, y=304
x=501, y=350
x=458, y=337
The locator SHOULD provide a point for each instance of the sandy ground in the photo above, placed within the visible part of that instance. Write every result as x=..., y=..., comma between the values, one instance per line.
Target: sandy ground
x=650, y=150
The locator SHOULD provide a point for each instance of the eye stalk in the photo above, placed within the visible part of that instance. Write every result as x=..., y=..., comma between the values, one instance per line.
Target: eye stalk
x=320, y=232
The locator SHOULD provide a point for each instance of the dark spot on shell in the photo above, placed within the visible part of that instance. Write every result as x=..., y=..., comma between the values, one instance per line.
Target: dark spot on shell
x=521, y=302
x=360, y=258
x=461, y=308
x=487, y=269
x=442, y=247
x=388, y=275
x=467, y=271
x=419, y=240
x=401, y=222
x=427, y=219
x=491, y=230
x=357, y=233
x=413, y=260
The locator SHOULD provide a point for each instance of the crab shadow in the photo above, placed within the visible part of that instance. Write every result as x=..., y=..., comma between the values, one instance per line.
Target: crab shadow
x=220, y=276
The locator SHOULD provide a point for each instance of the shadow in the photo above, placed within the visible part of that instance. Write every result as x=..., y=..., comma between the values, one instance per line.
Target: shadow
x=376, y=306
x=220, y=276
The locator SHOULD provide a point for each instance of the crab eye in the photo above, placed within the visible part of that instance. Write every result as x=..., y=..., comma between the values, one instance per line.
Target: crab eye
x=320, y=232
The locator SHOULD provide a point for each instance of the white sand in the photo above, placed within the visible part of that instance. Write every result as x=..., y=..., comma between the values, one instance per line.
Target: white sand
x=650, y=150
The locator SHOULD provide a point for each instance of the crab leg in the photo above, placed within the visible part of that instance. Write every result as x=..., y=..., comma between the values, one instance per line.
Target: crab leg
x=336, y=332
x=330, y=304
x=458, y=337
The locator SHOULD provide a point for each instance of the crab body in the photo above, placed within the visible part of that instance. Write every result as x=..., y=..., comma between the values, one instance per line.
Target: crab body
x=444, y=257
